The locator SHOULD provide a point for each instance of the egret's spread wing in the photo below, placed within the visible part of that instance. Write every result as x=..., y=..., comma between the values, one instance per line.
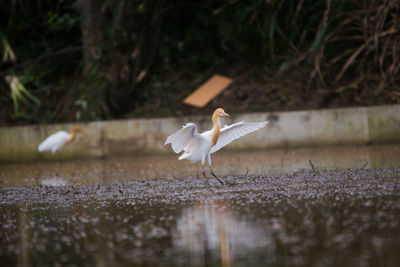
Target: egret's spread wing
x=183, y=137
x=235, y=131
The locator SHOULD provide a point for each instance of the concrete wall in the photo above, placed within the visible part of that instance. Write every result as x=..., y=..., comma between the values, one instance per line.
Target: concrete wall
x=363, y=125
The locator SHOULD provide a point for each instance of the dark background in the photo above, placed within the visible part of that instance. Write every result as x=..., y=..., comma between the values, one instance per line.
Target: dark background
x=93, y=60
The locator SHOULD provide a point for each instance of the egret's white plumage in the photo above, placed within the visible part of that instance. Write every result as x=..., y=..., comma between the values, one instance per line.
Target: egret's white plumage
x=198, y=147
x=232, y=132
x=54, y=142
x=58, y=140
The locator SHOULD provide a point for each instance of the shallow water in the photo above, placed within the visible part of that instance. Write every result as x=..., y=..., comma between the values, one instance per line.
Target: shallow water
x=264, y=162
x=110, y=213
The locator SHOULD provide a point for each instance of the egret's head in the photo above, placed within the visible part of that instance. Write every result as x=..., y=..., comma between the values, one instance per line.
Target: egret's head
x=221, y=112
x=75, y=129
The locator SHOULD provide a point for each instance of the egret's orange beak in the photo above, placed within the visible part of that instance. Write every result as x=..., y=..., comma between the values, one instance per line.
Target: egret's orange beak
x=225, y=114
x=85, y=133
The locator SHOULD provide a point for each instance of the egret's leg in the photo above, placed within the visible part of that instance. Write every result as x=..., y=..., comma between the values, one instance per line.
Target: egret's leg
x=213, y=174
x=59, y=160
x=203, y=158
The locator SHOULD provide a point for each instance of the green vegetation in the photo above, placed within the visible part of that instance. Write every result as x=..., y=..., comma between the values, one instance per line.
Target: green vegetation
x=89, y=60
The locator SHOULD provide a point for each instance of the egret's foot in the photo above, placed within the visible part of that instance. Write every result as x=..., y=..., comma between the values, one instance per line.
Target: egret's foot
x=213, y=174
x=204, y=174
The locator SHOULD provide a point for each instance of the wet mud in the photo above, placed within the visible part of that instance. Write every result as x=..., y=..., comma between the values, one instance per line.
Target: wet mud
x=315, y=217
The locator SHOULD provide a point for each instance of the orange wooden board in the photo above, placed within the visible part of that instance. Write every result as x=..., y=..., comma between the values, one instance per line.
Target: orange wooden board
x=208, y=91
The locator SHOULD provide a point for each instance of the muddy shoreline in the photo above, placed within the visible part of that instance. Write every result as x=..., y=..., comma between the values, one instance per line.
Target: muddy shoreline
x=304, y=183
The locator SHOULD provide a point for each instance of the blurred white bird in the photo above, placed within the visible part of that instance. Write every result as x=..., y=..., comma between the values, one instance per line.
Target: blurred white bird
x=198, y=147
x=58, y=140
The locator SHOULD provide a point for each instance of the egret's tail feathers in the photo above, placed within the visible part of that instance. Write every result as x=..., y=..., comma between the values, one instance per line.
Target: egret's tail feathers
x=40, y=148
x=44, y=146
x=183, y=156
x=189, y=156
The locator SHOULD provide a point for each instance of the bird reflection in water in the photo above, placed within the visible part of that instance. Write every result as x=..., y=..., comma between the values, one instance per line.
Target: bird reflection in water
x=211, y=231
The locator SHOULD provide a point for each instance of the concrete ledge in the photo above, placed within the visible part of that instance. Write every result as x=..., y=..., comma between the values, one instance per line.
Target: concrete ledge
x=364, y=125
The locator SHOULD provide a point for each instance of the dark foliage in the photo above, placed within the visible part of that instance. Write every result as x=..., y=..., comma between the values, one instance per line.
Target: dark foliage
x=141, y=58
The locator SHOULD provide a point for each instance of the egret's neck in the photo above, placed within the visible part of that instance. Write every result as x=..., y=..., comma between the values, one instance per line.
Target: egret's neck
x=216, y=128
x=71, y=138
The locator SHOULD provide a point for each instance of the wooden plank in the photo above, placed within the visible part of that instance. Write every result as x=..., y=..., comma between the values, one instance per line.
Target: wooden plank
x=208, y=91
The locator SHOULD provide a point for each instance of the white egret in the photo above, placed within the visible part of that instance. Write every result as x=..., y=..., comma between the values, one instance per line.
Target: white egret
x=58, y=140
x=198, y=147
